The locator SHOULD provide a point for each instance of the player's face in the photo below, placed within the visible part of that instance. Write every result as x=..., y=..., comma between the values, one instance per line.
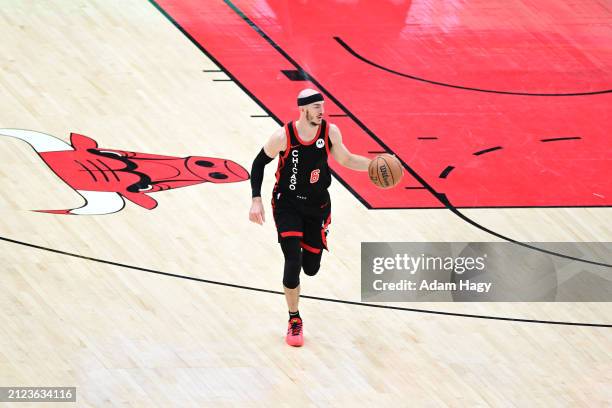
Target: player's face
x=314, y=113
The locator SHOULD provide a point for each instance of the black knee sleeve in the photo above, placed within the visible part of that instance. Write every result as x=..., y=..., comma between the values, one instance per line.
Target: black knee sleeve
x=311, y=262
x=293, y=262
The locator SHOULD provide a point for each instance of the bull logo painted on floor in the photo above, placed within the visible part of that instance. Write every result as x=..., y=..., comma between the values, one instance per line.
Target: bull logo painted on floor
x=106, y=177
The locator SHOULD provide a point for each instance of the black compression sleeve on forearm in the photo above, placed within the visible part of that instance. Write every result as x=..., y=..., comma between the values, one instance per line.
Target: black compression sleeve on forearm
x=257, y=172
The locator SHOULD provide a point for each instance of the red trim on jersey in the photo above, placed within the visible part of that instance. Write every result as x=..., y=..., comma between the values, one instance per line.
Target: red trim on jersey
x=283, y=158
x=300, y=139
x=291, y=234
x=310, y=249
x=288, y=141
x=274, y=210
x=323, y=236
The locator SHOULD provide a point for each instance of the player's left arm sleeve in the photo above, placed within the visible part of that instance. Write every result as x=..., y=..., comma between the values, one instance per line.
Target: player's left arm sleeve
x=342, y=155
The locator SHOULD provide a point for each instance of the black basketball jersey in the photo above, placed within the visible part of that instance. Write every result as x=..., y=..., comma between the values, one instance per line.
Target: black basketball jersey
x=302, y=167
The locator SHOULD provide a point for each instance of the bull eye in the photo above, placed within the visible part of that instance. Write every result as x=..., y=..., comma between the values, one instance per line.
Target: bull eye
x=218, y=176
x=204, y=163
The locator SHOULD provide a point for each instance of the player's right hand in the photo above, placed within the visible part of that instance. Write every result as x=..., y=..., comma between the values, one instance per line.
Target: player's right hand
x=256, y=214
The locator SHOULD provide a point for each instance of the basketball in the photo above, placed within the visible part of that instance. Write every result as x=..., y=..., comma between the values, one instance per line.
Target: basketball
x=385, y=171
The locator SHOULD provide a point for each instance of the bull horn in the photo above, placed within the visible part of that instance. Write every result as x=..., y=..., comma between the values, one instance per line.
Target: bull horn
x=96, y=203
x=41, y=142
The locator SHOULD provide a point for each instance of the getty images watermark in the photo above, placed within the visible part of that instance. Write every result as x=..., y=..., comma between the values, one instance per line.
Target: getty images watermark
x=485, y=271
x=413, y=264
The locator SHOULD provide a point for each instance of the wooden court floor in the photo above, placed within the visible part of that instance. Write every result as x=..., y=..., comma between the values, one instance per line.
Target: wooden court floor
x=107, y=303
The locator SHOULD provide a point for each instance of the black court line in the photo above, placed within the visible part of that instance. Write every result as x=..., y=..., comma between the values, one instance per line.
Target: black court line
x=427, y=138
x=440, y=196
x=212, y=70
x=295, y=75
x=465, y=88
x=491, y=208
x=260, y=116
x=491, y=149
x=415, y=188
x=357, y=121
x=323, y=299
x=223, y=80
x=560, y=138
x=446, y=171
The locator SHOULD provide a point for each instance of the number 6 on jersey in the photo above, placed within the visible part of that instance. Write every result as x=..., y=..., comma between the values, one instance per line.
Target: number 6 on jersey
x=314, y=176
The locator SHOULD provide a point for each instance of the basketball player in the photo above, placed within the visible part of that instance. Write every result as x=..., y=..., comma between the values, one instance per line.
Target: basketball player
x=301, y=205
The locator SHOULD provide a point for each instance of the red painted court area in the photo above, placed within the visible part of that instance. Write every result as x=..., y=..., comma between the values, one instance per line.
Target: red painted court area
x=491, y=103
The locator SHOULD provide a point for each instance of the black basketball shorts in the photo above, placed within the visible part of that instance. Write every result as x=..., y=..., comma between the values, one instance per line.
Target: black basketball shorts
x=307, y=219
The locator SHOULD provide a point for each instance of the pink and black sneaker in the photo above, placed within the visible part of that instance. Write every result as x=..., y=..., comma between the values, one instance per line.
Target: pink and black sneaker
x=295, y=336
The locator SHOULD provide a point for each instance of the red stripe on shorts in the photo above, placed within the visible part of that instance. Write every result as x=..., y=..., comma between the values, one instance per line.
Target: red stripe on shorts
x=291, y=234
